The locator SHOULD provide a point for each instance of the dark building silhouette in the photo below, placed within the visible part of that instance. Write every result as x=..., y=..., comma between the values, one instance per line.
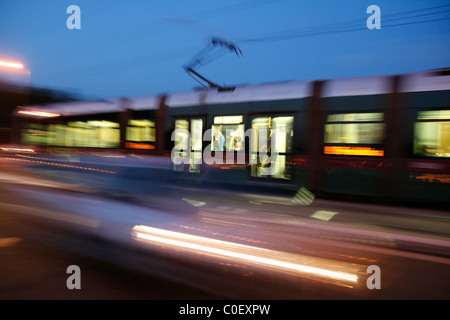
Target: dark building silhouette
x=12, y=96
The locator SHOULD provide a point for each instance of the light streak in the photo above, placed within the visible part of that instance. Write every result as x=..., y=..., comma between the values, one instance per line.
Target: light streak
x=9, y=242
x=11, y=65
x=39, y=113
x=353, y=151
x=232, y=250
x=60, y=165
x=16, y=149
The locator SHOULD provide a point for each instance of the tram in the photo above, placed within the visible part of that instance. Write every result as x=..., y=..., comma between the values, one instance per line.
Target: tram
x=384, y=137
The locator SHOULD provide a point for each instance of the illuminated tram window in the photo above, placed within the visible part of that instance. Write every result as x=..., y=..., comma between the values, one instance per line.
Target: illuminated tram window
x=228, y=119
x=36, y=134
x=434, y=115
x=228, y=134
x=432, y=134
x=196, y=145
x=355, y=117
x=141, y=134
x=271, y=146
x=97, y=133
x=359, y=134
x=185, y=150
x=181, y=143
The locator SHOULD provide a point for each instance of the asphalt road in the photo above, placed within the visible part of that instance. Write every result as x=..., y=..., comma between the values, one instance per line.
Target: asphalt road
x=409, y=246
x=34, y=270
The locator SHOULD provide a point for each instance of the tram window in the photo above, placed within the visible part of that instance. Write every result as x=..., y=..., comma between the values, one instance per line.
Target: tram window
x=355, y=117
x=141, y=134
x=95, y=133
x=432, y=134
x=271, y=146
x=196, y=145
x=188, y=137
x=181, y=143
x=227, y=133
x=98, y=134
x=354, y=134
x=37, y=134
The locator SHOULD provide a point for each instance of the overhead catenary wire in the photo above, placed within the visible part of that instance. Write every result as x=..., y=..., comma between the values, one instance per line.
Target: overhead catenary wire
x=388, y=21
x=349, y=26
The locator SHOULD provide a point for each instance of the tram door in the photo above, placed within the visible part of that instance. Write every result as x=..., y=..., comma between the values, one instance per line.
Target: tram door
x=271, y=147
x=188, y=138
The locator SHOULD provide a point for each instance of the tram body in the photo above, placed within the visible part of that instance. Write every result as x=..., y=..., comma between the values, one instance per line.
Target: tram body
x=385, y=137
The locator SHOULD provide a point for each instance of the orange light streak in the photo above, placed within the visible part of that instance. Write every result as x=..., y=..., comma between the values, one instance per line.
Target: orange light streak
x=61, y=165
x=145, y=146
x=353, y=151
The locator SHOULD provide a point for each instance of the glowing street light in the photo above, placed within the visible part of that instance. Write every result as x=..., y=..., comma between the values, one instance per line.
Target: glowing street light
x=39, y=113
x=11, y=64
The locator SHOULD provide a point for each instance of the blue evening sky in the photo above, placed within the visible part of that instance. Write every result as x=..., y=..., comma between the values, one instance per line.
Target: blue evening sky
x=139, y=47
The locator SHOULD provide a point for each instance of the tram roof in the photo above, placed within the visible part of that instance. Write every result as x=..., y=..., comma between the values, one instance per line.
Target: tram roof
x=432, y=80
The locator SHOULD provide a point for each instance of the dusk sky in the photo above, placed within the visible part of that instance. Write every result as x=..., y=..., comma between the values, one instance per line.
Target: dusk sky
x=139, y=47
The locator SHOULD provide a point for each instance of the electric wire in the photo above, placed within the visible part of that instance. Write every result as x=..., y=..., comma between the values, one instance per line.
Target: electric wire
x=348, y=26
x=388, y=21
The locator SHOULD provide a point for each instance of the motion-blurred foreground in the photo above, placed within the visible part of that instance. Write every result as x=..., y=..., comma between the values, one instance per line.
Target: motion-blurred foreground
x=247, y=243
x=276, y=191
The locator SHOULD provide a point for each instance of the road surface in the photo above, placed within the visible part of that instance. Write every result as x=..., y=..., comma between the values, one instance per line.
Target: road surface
x=201, y=244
